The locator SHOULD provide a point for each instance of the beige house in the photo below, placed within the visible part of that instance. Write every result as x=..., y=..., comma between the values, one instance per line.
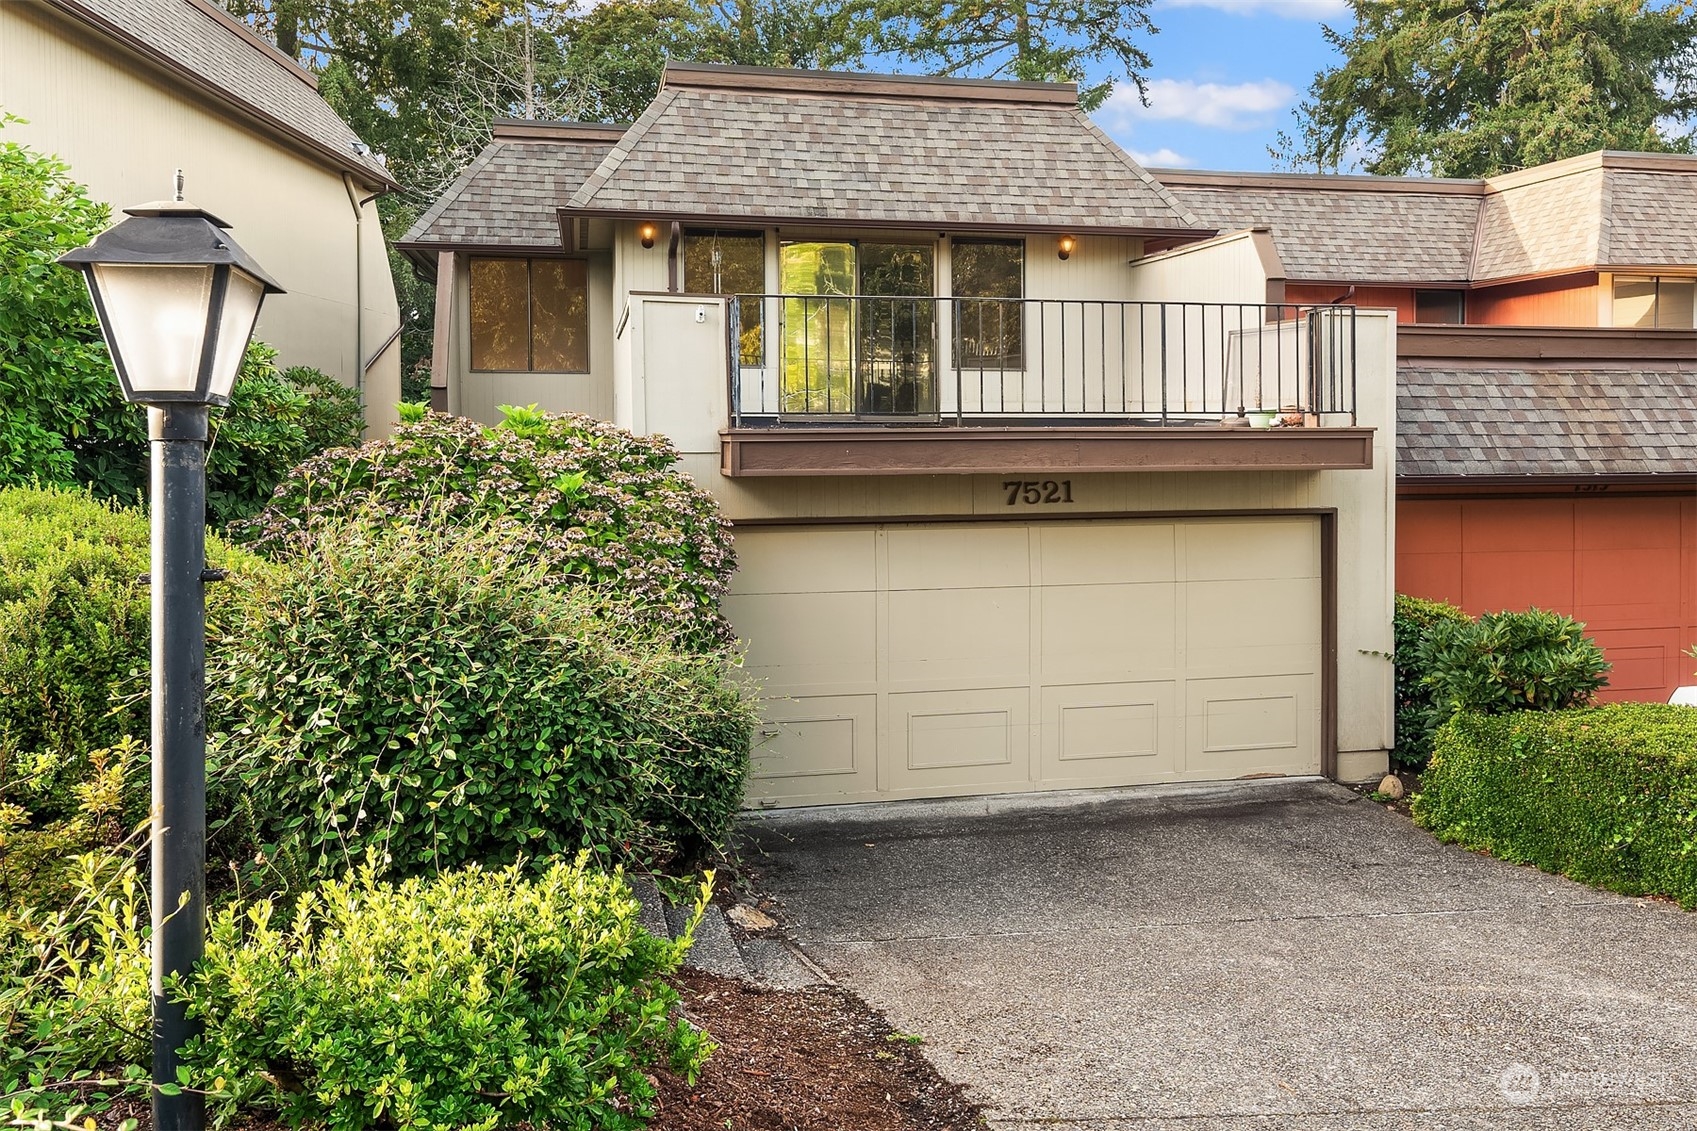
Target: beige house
x=1038, y=482
x=128, y=91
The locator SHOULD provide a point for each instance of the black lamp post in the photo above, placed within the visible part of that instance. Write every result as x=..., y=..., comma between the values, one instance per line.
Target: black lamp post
x=177, y=300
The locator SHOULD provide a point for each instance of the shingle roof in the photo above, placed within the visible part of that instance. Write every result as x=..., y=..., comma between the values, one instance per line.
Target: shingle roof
x=212, y=49
x=774, y=145
x=1546, y=226
x=1482, y=420
x=1354, y=232
x=508, y=195
x=1651, y=218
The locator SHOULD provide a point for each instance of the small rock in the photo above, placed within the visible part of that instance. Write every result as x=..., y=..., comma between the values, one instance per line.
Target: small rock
x=750, y=918
x=1391, y=787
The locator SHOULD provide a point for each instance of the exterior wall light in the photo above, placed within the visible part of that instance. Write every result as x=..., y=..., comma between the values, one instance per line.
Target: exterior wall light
x=1065, y=245
x=177, y=300
x=647, y=233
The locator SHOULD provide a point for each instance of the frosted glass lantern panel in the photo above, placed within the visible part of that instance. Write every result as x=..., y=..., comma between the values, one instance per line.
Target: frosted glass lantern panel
x=156, y=322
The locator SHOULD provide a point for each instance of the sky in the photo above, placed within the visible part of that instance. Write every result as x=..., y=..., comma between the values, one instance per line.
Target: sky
x=1224, y=78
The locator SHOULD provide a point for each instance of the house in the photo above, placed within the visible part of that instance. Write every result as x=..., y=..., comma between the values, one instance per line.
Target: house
x=128, y=91
x=1547, y=380
x=976, y=391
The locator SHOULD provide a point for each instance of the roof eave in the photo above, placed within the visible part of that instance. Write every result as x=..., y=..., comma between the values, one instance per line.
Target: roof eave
x=936, y=224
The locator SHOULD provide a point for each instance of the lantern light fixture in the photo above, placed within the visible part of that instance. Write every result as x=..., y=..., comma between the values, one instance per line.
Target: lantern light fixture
x=1065, y=246
x=177, y=299
x=647, y=233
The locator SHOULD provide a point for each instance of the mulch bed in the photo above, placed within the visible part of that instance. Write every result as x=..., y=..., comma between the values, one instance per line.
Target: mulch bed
x=788, y=1060
x=804, y=1060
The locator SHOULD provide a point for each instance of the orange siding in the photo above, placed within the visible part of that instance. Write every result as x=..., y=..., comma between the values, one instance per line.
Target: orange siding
x=1626, y=567
x=1570, y=300
x=1400, y=299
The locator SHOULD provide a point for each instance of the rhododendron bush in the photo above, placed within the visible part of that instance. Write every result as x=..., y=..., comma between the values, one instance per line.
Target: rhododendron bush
x=594, y=505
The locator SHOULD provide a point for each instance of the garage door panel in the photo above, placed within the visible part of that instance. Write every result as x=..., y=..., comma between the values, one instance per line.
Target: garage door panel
x=1095, y=554
x=1251, y=550
x=964, y=636
x=813, y=744
x=784, y=632
x=1236, y=726
x=1088, y=630
x=1266, y=627
x=1109, y=733
x=960, y=556
x=841, y=560
x=1514, y=579
x=945, y=740
x=1645, y=661
x=1650, y=600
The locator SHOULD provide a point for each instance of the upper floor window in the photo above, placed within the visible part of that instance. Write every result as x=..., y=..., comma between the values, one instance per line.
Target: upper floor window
x=991, y=330
x=1440, y=306
x=730, y=263
x=529, y=315
x=1657, y=302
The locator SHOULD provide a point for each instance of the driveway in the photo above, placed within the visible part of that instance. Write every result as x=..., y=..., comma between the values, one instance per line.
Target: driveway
x=1266, y=954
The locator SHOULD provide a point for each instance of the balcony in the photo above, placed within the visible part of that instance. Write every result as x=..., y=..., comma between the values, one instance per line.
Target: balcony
x=878, y=384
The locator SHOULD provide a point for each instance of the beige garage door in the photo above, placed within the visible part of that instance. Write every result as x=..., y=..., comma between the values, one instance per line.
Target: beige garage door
x=930, y=660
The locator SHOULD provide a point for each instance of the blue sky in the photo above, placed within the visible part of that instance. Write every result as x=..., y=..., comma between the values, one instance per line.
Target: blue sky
x=1226, y=75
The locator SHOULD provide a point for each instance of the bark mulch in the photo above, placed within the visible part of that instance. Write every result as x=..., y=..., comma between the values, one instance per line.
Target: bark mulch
x=788, y=1060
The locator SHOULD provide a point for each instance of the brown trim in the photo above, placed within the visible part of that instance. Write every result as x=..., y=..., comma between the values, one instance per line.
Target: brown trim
x=936, y=224
x=1343, y=182
x=442, y=339
x=1329, y=644
x=746, y=452
x=789, y=80
x=1545, y=343
x=1564, y=486
x=526, y=129
x=438, y=399
x=223, y=100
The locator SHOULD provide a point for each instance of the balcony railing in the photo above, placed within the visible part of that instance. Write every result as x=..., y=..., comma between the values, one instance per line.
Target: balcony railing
x=869, y=359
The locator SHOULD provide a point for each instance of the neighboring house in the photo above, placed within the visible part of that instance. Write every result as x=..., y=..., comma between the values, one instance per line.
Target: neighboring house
x=128, y=91
x=975, y=390
x=1547, y=410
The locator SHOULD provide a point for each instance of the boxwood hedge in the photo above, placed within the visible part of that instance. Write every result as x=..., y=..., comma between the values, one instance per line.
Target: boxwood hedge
x=1604, y=795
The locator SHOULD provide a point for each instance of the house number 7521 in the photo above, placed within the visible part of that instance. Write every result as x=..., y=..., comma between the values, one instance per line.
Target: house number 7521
x=1034, y=491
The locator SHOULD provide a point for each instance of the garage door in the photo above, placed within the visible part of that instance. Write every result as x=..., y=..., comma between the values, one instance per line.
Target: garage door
x=930, y=660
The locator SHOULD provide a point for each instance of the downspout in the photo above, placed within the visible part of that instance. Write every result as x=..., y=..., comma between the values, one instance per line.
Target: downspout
x=672, y=257
x=359, y=282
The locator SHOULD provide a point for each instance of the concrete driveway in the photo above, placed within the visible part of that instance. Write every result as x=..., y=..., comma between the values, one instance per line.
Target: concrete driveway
x=1266, y=955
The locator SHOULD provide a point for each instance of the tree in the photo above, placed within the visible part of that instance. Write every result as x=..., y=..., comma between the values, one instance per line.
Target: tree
x=1471, y=88
x=1033, y=40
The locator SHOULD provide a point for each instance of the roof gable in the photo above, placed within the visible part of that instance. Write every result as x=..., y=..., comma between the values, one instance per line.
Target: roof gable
x=741, y=144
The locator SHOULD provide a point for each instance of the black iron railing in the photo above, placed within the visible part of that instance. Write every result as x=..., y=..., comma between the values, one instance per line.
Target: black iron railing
x=925, y=359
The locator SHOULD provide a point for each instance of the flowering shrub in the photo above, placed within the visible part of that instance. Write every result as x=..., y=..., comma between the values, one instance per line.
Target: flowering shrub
x=592, y=503
x=423, y=693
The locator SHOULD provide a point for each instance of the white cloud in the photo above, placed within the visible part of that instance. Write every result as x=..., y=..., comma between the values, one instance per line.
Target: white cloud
x=1162, y=158
x=1291, y=9
x=1220, y=106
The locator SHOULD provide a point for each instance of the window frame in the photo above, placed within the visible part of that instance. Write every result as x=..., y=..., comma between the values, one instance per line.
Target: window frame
x=1457, y=294
x=1006, y=363
x=1657, y=287
x=759, y=304
x=529, y=259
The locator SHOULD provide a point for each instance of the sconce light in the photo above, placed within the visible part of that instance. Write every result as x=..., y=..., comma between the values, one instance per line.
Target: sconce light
x=647, y=233
x=1064, y=246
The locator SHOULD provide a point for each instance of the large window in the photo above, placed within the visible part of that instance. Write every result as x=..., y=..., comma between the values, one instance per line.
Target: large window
x=1655, y=302
x=988, y=281
x=730, y=263
x=529, y=315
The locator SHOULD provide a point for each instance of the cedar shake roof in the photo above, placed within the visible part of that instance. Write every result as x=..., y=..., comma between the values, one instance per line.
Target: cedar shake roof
x=508, y=195
x=1345, y=229
x=752, y=144
x=1600, y=210
x=212, y=50
x=1480, y=420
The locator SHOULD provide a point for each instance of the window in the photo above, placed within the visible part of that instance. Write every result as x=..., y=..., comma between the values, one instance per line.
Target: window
x=1655, y=302
x=529, y=315
x=730, y=263
x=1440, y=306
x=991, y=330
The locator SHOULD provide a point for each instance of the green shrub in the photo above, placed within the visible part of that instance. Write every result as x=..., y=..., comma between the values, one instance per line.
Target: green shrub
x=1511, y=661
x=472, y=1000
x=424, y=692
x=1417, y=716
x=1605, y=795
x=597, y=505
x=74, y=640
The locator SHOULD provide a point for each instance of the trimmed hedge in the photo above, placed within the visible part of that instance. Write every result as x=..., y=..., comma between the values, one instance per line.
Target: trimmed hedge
x=1604, y=795
x=1417, y=711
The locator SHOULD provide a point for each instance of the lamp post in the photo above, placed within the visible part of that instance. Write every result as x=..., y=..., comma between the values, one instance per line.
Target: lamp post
x=177, y=300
